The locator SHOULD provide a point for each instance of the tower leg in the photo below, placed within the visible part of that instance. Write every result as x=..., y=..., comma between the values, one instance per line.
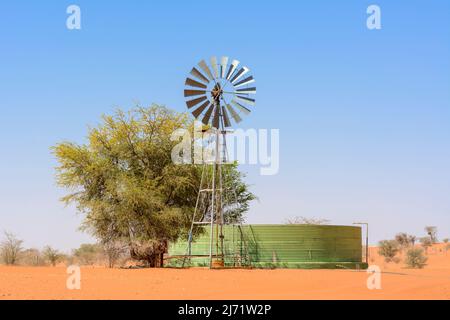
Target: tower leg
x=213, y=208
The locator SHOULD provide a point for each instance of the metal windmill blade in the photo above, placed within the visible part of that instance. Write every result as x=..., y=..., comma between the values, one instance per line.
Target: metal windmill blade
x=240, y=107
x=234, y=114
x=226, y=118
x=223, y=66
x=199, y=75
x=193, y=83
x=218, y=94
x=206, y=118
x=206, y=69
x=197, y=112
x=193, y=103
x=215, y=67
x=239, y=74
x=246, y=100
x=190, y=93
x=246, y=91
x=233, y=67
x=244, y=82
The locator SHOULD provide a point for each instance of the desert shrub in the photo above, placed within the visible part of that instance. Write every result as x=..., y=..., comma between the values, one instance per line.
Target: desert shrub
x=405, y=240
x=402, y=239
x=396, y=260
x=10, y=249
x=388, y=249
x=31, y=257
x=88, y=254
x=412, y=240
x=426, y=242
x=415, y=258
x=446, y=240
x=432, y=233
x=51, y=255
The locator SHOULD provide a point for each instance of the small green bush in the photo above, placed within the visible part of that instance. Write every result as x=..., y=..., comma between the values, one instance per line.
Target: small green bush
x=388, y=249
x=415, y=258
x=426, y=242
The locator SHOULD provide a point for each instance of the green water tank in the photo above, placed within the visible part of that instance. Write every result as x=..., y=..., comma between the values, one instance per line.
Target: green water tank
x=280, y=246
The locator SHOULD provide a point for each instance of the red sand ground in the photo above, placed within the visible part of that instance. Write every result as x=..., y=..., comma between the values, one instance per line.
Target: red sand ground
x=48, y=283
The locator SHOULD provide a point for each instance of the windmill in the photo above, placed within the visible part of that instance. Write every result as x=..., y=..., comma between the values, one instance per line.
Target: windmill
x=213, y=93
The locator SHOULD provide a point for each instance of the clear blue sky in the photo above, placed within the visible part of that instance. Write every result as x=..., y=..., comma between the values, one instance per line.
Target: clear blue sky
x=364, y=116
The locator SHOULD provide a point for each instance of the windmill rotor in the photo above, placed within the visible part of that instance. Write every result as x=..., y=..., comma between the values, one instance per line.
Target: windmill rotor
x=218, y=92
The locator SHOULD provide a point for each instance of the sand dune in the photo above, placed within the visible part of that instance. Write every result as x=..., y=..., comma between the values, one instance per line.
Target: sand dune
x=397, y=282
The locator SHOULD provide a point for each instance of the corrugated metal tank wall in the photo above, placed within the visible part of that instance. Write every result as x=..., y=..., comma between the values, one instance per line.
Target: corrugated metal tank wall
x=285, y=246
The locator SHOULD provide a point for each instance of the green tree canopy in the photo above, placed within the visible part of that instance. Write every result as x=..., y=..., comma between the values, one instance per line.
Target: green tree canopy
x=125, y=183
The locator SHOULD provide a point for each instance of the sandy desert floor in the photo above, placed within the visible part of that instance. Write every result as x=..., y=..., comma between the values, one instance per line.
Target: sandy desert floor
x=397, y=282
